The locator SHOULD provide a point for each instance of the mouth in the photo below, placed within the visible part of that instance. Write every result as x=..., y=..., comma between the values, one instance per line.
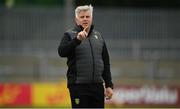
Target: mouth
x=85, y=23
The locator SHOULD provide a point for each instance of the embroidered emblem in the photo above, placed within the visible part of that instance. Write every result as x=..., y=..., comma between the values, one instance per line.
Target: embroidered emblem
x=96, y=36
x=77, y=100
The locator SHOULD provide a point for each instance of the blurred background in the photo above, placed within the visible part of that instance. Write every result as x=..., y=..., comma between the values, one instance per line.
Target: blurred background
x=143, y=39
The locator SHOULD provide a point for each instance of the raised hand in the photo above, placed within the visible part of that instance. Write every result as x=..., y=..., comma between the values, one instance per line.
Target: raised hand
x=83, y=34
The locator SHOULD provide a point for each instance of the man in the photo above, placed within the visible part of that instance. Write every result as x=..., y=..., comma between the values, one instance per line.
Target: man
x=88, y=62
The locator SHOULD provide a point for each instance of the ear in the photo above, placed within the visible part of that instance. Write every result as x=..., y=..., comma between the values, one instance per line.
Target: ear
x=76, y=20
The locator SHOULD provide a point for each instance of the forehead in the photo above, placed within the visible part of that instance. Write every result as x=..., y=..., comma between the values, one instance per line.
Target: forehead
x=84, y=13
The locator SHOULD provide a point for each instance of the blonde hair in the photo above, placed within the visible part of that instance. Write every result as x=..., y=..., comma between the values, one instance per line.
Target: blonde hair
x=83, y=8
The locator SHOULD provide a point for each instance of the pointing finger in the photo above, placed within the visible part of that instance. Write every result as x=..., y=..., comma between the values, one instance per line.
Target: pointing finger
x=85, y=29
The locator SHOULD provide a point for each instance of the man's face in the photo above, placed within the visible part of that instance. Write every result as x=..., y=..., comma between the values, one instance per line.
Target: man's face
x=84, y=19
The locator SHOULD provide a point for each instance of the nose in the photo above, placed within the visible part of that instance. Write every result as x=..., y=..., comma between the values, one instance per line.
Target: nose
x=84, y=18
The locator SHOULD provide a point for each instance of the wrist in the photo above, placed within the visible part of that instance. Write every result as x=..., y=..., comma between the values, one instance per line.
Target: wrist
x=78, y=37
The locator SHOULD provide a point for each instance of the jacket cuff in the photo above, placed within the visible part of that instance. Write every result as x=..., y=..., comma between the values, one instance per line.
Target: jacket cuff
x=77, y=41
x=109, y=85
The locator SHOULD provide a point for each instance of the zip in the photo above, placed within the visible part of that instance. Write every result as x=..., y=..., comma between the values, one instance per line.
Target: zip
x=93, y=60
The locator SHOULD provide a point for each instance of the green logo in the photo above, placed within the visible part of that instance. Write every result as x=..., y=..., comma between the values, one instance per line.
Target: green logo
x=77, y=100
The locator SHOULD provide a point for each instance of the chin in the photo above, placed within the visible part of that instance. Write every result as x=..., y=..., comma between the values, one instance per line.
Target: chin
x=83, y=26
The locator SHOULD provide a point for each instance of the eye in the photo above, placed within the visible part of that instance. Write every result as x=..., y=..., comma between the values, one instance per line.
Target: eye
x=87, y=16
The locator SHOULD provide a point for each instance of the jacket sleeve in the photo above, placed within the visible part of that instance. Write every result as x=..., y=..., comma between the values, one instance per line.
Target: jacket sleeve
x=67, y=45
x=106, y=74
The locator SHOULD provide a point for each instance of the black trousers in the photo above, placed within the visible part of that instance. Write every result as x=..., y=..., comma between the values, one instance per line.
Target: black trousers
x=87, y=95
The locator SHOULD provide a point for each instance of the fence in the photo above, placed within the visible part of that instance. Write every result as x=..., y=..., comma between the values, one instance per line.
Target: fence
x=147, y=37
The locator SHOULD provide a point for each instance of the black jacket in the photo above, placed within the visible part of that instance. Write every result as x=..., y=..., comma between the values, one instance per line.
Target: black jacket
x=90, y=71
